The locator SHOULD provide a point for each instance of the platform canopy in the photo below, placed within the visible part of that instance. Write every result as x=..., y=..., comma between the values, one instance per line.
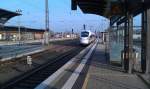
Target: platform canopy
x=5, y=15
x=111, y=9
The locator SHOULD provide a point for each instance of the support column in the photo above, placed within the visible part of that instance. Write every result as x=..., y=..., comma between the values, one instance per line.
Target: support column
x=143, y=41
x=148, y=43
x=130, y=43
x=126, y=58
x=109, y=43
x=46, y=33
x=126, y=35
x=145, y=51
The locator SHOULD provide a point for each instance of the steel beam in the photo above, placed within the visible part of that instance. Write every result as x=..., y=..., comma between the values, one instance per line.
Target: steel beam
x=148, y=43
x=130, y=42
x=126, y=46
x=145, y=51
x=143, y=41
x=126, y=58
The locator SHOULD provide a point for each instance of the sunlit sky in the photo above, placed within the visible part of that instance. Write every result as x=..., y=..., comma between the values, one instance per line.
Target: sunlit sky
x=62, y=18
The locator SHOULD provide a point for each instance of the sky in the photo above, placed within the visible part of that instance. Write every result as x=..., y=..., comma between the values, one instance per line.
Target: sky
x=62, y=18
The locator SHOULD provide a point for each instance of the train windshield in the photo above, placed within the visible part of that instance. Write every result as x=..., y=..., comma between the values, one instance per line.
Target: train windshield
x=84, y=34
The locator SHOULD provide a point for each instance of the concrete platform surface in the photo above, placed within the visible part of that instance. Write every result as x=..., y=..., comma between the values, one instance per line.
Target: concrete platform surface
x=103, y=76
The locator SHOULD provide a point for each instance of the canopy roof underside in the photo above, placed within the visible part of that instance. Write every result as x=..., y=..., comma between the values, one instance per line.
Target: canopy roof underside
x=6, y=15
x=111, y=9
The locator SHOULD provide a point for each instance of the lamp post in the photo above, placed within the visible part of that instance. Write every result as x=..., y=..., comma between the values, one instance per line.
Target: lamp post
x=19, y=34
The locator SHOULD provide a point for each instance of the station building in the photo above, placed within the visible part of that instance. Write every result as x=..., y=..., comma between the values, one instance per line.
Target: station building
x=11, y=33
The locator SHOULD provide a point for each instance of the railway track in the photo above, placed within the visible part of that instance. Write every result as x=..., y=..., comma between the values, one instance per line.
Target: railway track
x=32, y=78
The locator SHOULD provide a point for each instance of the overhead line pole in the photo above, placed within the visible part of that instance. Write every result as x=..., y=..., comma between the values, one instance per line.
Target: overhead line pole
x=46, y=37
x=19, y=32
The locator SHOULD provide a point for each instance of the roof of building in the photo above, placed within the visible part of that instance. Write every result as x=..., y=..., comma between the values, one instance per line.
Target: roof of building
x=5, y=15
x=111, y=9
x=23, y=29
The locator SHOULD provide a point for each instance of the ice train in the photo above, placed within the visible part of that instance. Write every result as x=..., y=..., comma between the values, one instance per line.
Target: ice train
x=87, y=37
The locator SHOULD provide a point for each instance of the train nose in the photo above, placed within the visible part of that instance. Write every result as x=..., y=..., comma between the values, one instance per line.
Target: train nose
x=84, y=40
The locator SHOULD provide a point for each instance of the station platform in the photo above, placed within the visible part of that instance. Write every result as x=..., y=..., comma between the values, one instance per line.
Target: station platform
x=12, y=50
x=90, y=69
x=101, y=75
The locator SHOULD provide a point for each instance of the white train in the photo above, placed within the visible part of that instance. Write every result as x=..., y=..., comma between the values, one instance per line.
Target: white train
x=86, y=37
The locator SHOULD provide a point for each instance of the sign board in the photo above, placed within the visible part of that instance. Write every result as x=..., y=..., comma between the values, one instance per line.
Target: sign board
x=29, y=60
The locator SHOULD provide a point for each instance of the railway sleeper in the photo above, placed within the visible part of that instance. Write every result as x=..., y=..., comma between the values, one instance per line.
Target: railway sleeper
x=36, y=79
x=19, y=88
x=32, y=81
x=26, y=85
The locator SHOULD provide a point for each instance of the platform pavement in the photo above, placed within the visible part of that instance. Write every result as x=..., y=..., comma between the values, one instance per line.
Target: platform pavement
x=101, y=75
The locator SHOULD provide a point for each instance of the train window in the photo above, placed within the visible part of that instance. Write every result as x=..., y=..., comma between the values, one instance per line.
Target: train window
x=84, y=34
